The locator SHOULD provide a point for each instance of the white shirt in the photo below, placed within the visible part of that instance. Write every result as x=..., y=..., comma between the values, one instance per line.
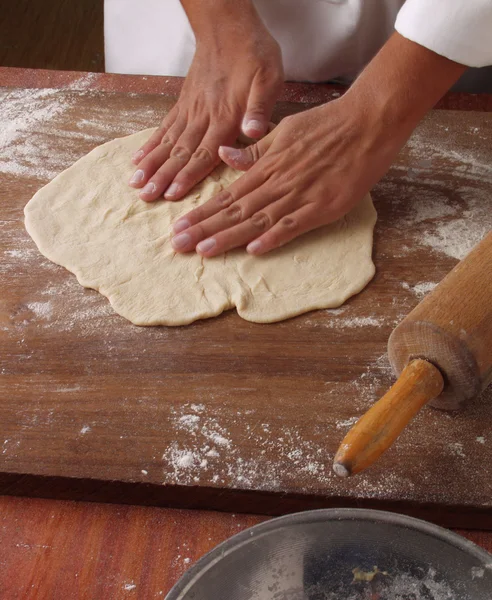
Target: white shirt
x=320, y=39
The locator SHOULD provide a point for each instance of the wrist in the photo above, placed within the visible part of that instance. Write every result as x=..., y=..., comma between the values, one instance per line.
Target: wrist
x=401, y=84
x=214, y=21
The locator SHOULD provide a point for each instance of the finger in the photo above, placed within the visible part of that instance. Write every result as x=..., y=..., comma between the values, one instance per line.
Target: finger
x=244, y=158
x=230, y=217
x=157, y=157
x=156, y=137
x=286, y=229
x=262, y=97
x=223, y=200
x=202, y=162
x=179, y=156
x=240, y=235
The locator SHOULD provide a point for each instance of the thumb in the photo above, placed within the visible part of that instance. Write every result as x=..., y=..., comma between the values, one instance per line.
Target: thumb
x=244, y=158
x=262, y=98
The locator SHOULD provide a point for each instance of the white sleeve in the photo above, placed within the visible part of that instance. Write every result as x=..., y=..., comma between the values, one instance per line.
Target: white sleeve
x=460, y=30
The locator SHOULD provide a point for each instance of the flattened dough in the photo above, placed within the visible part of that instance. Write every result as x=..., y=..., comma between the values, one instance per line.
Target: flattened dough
x=91, y=222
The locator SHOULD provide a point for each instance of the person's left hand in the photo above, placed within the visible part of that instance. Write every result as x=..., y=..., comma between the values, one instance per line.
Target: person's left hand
x=309, y=171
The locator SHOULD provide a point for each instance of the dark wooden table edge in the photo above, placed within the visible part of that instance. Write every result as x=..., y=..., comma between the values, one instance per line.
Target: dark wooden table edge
x=305, y=93
x=238, y=501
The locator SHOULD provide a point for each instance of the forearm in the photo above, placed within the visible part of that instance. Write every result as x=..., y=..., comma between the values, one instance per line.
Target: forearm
x=402, y=83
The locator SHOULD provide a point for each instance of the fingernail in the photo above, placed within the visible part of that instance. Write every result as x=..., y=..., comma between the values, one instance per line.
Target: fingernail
x=137, y=176
x=181, y=225
x=253, y=124
x=138, y=155
x=181, y=240
x=172, y=190
x=150, y=188
x=253, y=247
x=230, y=153
x=206, y=245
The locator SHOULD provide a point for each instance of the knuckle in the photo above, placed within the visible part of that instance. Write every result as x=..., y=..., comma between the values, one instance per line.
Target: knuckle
x=289, y=224
x=261, y=221
x=224, y=199
x=167, y=141
x=269, y=75
x=255, y=152
x=233, y=214
x=203, y=155
x=181, y=153
x=257, y=107
x=198, y=232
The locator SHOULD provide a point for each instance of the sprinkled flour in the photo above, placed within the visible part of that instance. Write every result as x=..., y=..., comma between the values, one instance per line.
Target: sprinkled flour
x=43, y=310
x=421, y=289
x=450, y=224
x=31, y=120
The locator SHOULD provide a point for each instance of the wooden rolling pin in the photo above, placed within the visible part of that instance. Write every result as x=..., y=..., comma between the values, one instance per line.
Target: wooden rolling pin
x=442, y=353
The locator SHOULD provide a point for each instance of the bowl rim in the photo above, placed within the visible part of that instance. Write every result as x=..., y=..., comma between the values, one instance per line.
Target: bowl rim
x=315, y=516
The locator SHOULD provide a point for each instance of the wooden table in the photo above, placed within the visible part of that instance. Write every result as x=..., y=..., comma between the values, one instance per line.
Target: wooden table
x=53, y=550
x=61, y=550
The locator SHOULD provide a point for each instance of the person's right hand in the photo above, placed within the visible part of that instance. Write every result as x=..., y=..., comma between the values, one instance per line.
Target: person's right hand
x=232, y=85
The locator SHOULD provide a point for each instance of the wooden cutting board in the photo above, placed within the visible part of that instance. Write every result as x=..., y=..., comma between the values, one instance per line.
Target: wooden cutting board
x=224, y=413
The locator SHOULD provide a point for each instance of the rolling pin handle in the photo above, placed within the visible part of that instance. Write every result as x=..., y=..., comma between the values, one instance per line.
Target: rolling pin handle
x=379, y=427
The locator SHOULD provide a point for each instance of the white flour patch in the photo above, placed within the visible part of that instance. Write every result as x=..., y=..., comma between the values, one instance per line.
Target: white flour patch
x=85, y=429
x=43, y=310
x=456, y=449
x=480, y=439
x=467, y=163
x=477, y=572
x=347, y=423
x=17, y=260
x=32, y=128
x=335, y=311
x=434, y=206
x=456, y=238
x=374, y=381
x=15, y=253
x=23, y=148
x=209, y=454
x=65, y=389
x=72, y=307
x=128, y=587
x=421, y=289
x=190, y=421
x=83, y=82
x=449, y=225
x=448, y=221
x=218, y=439
x=345, y=323
x=355, y=322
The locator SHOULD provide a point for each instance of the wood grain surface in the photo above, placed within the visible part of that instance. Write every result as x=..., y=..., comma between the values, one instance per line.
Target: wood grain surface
x=52, y=550
x=52, y=34
x=228, y=414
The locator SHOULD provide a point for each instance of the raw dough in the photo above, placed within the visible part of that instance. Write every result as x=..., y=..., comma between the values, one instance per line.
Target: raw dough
x=91, y=222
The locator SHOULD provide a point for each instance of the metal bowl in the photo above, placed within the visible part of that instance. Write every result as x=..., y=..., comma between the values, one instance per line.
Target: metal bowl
x=342, y=554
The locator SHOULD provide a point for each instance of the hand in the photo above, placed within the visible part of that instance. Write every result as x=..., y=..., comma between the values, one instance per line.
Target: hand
x=232, y=84
x=315, y=166
x=309, y=171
